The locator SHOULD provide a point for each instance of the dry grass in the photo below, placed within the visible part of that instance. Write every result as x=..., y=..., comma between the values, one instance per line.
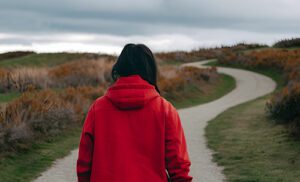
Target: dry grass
x=80, y=73
x=93, y=72
x=178, y=81
x=41, y=114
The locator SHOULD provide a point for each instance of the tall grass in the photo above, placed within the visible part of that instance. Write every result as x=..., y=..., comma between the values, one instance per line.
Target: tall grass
x=86, y=72
x=77, y=73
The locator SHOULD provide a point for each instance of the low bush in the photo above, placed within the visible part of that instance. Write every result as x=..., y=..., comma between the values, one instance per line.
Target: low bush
x=285, y=105
x=172, y=87
x=243, y=47
x=21, y=79
x=38, y=115
x=203, y=53
x=3, y=79
x=287, y=43
x=80, y=73
x=92, y=72
x=184, y=57
x=31, y=116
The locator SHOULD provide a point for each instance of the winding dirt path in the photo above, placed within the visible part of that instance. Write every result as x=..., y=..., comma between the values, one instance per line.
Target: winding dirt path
x=249, y=85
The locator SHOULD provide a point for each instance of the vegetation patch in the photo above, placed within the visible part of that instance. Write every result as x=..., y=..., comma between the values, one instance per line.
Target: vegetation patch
x=253, y=148
x=16, y=54
x=45, y=104
x=288, y=43
x=27, y=165
x=47, y=59
x=284, y=104
x=7, y=97
x=195, y=96
x=251, y=145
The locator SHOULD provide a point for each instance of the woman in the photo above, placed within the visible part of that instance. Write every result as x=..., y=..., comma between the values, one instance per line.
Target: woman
x=132, y=134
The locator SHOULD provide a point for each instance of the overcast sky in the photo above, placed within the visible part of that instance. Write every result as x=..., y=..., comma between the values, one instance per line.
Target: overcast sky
x=163, y=25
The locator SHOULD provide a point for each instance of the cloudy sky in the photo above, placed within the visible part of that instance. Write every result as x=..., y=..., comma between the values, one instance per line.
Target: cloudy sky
x=163, y=25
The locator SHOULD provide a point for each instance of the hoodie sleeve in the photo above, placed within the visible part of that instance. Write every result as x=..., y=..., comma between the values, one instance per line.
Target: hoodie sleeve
x=85, y=155
x=177, y=159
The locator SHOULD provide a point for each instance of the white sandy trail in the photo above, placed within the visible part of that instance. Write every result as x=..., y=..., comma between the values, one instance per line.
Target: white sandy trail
x=249, y=85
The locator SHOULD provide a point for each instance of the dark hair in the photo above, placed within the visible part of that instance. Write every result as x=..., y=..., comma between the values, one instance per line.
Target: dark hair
x=136, y=59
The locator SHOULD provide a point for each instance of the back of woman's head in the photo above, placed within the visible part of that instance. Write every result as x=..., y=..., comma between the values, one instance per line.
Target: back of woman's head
x=136, y=59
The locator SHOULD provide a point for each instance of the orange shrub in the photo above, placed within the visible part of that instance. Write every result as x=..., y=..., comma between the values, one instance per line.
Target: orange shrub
x=22, y=78
x=183, y=56
x=176, y=85
x=42, y=114
x=203, y=53
x=19, y=79
x=3, y=77
x=92, y=72
x=281, y=59
x=80, y=73
x=33, y=115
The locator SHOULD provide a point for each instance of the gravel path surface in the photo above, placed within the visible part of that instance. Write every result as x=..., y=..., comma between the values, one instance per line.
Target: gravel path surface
x=250, y=85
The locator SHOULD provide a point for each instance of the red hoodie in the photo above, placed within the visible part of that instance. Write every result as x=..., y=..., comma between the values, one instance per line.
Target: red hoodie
x=132, y=134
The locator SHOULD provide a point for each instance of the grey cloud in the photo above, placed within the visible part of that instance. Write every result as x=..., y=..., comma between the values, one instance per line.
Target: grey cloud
x=13, y=41
x=187, y=23
x=131, y=17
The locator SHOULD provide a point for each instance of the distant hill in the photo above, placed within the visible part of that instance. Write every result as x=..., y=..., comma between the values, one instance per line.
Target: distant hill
x=45, y=59
x=15, y=54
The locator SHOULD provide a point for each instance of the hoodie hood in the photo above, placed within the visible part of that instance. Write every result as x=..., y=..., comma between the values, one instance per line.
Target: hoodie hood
x=131, y=92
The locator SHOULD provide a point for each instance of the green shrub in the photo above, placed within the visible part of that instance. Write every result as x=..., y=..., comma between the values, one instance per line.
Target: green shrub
x=285, y=105
x=287, y=43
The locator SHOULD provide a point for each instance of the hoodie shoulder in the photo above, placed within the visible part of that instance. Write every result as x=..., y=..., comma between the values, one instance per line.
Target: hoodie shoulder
x=163, y=104
x=101, y=102
x=168, y=105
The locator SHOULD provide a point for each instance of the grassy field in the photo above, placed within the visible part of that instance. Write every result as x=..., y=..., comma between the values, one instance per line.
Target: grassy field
x=24, y=167
x=275, y=74
x=253, y=148
x=250, y=146
x=195, y=97
x=44, y=59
